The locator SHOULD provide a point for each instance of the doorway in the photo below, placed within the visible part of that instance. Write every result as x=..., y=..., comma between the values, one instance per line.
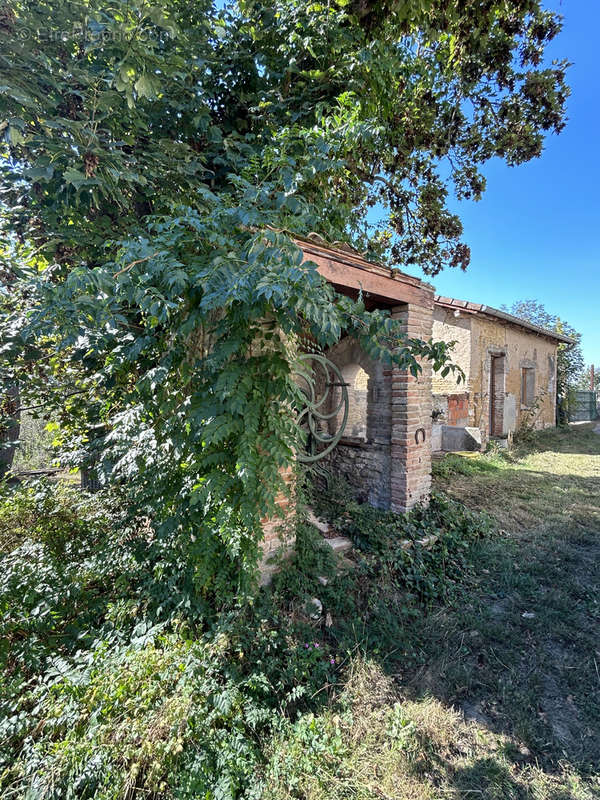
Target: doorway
x=497, y=395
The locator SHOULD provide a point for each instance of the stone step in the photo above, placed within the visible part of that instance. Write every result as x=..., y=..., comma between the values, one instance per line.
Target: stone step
x=339, y=544
x=320, y=525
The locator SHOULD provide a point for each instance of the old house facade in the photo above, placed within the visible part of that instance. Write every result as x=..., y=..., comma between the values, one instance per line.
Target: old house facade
x=510, y=375
x=385, y=452
x=394, y=421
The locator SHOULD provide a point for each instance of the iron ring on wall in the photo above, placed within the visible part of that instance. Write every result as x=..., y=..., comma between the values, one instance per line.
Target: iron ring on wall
x=420, y=435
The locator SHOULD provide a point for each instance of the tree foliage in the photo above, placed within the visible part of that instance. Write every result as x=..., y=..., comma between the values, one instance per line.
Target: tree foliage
x=585, y=381
x=157, y=160
x=115, y=112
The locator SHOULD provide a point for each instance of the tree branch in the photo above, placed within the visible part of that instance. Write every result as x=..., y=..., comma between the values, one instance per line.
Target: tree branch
x=41, y=405
x=133, y=263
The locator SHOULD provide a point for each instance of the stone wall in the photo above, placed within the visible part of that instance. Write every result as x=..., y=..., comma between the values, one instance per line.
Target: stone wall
x=520, y=349
x=362, y=456
x=366, y=468
x=448, y=327
x=480, y=338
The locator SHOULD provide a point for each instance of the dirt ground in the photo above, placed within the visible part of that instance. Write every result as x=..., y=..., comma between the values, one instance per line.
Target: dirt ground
x=519, y=652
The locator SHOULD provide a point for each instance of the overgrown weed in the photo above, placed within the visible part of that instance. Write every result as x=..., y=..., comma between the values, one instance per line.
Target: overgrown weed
x=118, y=684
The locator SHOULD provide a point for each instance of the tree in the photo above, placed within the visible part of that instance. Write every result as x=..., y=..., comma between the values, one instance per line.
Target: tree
x=585, y=379
x=9, y=392
x=157, y=160
x=569, y=360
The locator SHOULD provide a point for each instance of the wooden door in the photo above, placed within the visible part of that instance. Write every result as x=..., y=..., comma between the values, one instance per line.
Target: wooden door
x=497, y=395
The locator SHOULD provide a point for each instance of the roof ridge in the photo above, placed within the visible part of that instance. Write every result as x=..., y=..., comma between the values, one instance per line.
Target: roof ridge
x=482, y=308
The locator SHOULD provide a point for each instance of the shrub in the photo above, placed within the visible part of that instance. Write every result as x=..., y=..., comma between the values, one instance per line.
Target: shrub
x=167, y=717
x=421, y=553
x=62, y=565
x=119, y=684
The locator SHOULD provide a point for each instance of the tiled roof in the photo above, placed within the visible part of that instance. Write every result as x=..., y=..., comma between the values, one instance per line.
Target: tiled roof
x=479, y=308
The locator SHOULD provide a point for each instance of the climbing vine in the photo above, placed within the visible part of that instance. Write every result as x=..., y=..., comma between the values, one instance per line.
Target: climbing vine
x=157, y=161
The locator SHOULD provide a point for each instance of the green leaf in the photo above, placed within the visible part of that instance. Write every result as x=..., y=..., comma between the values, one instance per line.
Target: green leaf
x=147, y=86
x=74, y=177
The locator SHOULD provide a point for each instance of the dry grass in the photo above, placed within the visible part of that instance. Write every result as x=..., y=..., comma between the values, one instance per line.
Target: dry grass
x=505, y=704
x=553, y=480
x=382, y=746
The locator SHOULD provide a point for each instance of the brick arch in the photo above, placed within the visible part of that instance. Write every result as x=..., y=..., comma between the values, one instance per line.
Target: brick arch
x=356, y=377
x=357, y=387
x=362, y=456
x=368, y=405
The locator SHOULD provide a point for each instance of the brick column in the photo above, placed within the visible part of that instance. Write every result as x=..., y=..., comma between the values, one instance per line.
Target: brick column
x=274, y=532
x=278, y=535
x=411, y=399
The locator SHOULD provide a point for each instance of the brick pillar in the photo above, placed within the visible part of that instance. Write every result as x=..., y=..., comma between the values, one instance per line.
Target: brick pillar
x=278, y=535
x=274, y=528
x=411, y=398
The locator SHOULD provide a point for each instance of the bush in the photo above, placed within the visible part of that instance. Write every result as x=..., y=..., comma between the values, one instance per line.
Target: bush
x=421, y=553
x=61, y=569
x=118, y=683
x=121, y=683
x=165, y=717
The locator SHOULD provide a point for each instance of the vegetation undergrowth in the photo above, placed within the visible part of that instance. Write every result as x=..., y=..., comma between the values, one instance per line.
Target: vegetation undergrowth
x=119, y=683
x=445, y=660
x=471, y=464
x=376, y=742
x=499, y=699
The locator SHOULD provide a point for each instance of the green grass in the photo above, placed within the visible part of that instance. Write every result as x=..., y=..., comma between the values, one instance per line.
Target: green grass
x=553, y=481
x=378, y=744
x=454, y=660
x=501, y=697
x=529, y=622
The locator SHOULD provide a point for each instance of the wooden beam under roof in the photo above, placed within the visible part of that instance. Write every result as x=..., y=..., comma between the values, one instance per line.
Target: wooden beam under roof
x=349, y=273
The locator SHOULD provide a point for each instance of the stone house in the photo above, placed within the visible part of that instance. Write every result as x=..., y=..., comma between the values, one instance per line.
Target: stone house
x=510, y=370
x=386, y=446
x=385, y=452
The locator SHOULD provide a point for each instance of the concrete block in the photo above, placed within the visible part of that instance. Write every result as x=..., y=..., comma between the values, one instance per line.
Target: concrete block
x=436, y=438
x=339, y=544
x=510, y=414
x=460, y=438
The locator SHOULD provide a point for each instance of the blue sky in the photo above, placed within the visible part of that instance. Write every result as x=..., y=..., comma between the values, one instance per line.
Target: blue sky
x=535, y=234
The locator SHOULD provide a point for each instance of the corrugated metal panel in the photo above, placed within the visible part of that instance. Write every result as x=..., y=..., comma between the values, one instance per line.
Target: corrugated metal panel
x=585, y=408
